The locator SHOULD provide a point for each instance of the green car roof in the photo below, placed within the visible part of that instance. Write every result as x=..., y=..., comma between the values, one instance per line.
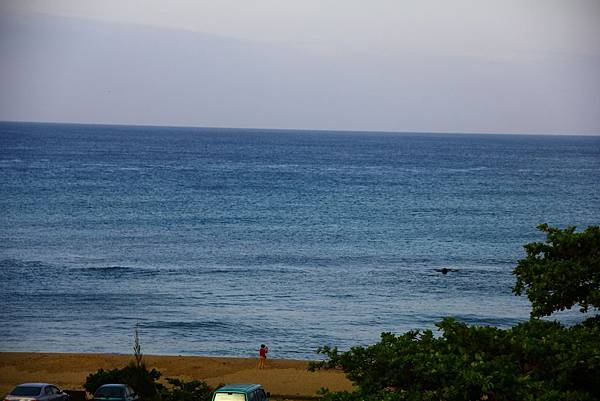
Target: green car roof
x=238, y=388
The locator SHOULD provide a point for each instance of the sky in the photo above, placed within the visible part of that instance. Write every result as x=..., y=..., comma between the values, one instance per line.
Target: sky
x=481, y=66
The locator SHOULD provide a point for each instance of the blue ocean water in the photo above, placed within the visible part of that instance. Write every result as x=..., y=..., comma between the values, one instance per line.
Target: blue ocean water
x=218, y=240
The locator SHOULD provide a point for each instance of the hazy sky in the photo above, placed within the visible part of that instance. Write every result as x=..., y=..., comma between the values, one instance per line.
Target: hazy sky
x=518, y=66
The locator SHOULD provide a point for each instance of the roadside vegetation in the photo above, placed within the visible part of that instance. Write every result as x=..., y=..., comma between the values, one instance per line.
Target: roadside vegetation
x=539, y=360
x=145, y=383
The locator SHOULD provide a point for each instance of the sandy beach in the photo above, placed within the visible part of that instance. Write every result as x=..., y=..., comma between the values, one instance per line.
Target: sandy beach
x=285, y=379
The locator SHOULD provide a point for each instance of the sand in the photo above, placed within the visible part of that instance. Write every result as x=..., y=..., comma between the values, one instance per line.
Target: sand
x=283, y=378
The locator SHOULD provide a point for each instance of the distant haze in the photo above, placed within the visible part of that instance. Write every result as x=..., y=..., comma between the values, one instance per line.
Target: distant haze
x=506, y=66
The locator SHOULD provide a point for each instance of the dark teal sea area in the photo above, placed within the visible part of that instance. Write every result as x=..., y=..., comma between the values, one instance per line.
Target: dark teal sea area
x=218, y=240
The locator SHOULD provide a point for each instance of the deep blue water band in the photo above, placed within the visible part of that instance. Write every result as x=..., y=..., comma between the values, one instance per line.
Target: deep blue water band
x=219, y=240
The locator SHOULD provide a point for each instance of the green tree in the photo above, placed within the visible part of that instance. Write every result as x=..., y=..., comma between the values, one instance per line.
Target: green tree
x=194, y=390
x=561, y=272
x=534, y=361
x=136, y=374
x=140, y=378
x=145, y=381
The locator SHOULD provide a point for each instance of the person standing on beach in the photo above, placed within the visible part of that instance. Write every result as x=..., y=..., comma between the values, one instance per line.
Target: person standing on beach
x=262, y=356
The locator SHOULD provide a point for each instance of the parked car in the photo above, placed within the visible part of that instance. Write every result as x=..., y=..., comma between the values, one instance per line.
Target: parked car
x=115, y=392
x=241, y=392
x=36, y=392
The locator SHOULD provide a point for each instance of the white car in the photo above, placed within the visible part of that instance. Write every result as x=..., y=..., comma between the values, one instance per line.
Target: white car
x=36, y=392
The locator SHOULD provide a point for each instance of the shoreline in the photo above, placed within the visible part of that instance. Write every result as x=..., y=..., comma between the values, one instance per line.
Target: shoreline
x=283, y=378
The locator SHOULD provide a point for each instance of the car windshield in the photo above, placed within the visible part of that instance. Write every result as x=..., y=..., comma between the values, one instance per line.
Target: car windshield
x=112, y=392
x=27, y=391
x=229, y=397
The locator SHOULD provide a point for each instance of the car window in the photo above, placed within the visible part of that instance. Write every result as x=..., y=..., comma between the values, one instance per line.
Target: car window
x=48, y=390
x=27, y=391
x=261, y=395
x=55, y=389
x=109, y=392
x=229, y=397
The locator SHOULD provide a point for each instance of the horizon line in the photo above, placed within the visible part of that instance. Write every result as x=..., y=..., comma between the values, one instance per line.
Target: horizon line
x=320, y=130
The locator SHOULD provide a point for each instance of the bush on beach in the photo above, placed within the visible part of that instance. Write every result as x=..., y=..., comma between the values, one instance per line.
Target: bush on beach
x=145, y=382
x=142, y=380
x=194, y=390
x=535, y=360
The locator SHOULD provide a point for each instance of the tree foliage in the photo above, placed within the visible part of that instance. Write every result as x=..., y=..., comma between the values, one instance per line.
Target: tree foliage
x=139, y=377
x=145, y=384
x=535, y=360
x=194, y=390
x=561, y=272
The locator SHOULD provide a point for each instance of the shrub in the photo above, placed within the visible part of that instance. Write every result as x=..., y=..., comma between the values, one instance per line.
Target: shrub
x=142, y=380
x=533, y=361
x=194, y=390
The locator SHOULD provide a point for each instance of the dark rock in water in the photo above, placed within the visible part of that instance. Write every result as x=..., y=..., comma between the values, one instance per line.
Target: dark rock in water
x=445, y=270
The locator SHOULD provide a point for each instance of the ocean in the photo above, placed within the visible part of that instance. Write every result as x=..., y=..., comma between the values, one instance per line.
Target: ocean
x=217, y=240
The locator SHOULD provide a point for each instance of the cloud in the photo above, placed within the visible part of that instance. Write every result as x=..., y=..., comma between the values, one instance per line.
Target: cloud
x=87, y=70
